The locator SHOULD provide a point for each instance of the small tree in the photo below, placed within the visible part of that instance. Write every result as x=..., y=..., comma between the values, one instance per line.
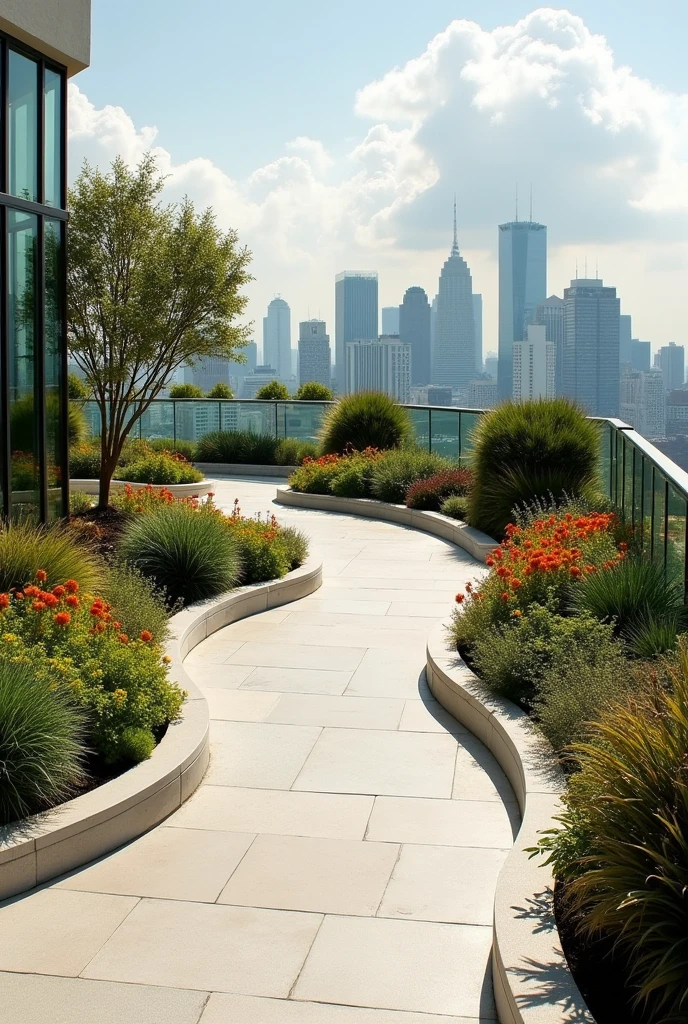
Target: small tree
x=313, y=391
x=186, y=391
x=220, y=390
x=151, y=287
x=77, y=390
x=274, y=391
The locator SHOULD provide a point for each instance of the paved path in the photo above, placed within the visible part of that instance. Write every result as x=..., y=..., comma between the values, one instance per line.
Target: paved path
x=342, y=850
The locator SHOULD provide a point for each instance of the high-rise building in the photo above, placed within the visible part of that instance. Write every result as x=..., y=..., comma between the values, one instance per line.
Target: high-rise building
x=379, y=365
x=390, y=320
x=677, y=412
x=482, y=393
x=641, y=355
x=255, y=380
x=534, y=365
x=314, y=352
x=277, y=338
x=550, y=314
x=208, y=372
x=478, y=331
x=522, y=287
x=643, y=402
x=454, y=347
x=355, y=316
x=625, y=338
x=491, y=365
x=672, y=360
x=414, y=330
x=591, y=346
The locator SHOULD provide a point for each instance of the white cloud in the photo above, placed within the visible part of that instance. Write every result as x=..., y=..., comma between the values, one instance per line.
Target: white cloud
x=542, y=100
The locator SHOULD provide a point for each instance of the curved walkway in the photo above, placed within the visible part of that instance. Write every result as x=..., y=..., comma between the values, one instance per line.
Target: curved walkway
x=338, y=863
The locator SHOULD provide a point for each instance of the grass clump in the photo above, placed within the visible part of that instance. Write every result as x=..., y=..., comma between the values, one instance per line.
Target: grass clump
x=41, y=742
x=160, y=468
x=136, y=602
x=290, y=452
x=395, y=471
x=530, y=451
x=632, y=592
x=187, y=552
x=238, y=446
x=368, y=419
x=24, y=549
x=429, y=494
x=455, y=507
x=168, y=444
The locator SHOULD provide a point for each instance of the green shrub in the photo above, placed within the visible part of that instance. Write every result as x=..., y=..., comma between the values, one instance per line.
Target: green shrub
x=428, y=494
x=136, y=602
x=312, y=391
x=631, y=592
x=648, y=636
x=41, y=742
x=159, y=469
x=622, y=841
x=84, y=461
x=133, y=450
x=23, y=424
x=315, y=477
x=513, y=658
x=186, y=391
x=394, y=472
x=455, y=507
x=527, y=451
x=353, y=480
x=290, y=452
x=77, y=389
x=368, y=419
x=168, y=444
x=80, y=502
x=189, y=553
x=295, y=544
x=275, y=391
x=238, y=446
x=267, y=551
x=136, y=744
x=24, y=549
x=220, y=390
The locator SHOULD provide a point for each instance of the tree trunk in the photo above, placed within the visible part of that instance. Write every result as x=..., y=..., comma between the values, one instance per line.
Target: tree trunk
x=108, y=466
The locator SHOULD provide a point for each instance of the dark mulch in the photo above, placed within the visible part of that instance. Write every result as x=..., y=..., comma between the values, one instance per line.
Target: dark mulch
x=101, y=528
x=599, y=974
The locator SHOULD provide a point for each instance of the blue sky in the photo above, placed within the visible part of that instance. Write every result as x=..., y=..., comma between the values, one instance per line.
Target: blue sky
x=291, y=120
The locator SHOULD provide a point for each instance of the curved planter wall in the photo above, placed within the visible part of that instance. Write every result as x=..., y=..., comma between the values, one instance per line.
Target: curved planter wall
x=242, y=469
x=532, y=981
x=39, y=848
x=179, y=490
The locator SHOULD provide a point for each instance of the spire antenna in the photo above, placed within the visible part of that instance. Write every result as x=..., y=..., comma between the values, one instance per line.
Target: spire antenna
x=455, y=246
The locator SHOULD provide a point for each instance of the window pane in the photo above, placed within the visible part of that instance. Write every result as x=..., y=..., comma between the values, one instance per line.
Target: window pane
x=23, y=126
x=21, y=242
x=53, y=138
x=54, y=351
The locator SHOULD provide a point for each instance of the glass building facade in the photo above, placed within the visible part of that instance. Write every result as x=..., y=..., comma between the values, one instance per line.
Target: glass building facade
x=522, y=287
x=33, y=352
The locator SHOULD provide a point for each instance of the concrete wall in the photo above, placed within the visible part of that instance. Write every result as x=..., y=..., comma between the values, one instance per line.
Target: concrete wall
x=60, y=29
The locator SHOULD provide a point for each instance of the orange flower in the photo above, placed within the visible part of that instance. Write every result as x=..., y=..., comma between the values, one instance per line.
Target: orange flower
x=72, y=600
x=41, y=575
x=459, y=598
x=515, y=584
x=59, y=591
x=123, y=638
x=469, y=587
x=63, y=618
x=574, y=571
x=4, y=600
x=505, y=596
x=516, y=614
x=50, y=600
x=19, y=596
x=72, y=586
x=39, y=606
x=489, y=561
x=145, y=636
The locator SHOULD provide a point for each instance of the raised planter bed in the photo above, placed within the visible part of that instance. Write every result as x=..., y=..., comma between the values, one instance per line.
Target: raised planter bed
x=46, y=845
x=243, y=469
x=178, y=490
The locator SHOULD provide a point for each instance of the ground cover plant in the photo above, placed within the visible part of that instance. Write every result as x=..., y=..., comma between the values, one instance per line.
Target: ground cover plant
x=430, y=494
x=246, y=448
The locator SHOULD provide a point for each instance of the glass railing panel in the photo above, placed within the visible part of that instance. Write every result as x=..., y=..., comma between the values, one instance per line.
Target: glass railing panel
x=299, y=420
x=469, y=423
x=637, y=514
x=256, y=417
x=158, y=421
x=658, y=516
x=648, y=501
x=420, y=422
x=677, y=511
x=606, y=436
x=628, y=472
x=445, y=437
x=194, y=419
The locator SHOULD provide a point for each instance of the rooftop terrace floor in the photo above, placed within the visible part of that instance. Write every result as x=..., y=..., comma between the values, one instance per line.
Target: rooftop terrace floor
x=338, y=863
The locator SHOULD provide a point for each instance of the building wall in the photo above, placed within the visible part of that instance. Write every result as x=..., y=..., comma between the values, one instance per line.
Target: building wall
x=356, y=316
x=522, y=287
x=314, y=353
x=534, y=366
x=672, y=365
x=591, y=346
x=550, y=314
x=454, y=343
x=390, y=319
x=414, y=330
x=383, y=365
x=478, y=331
x=643, y=402
x=60, y=29
x=277, y=338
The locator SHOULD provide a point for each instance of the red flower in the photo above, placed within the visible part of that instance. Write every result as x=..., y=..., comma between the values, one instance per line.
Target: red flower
x=515, y=584
x=39, y=606
x=72, y=601
x=489, y=561
x=63, y=618
x=41, y=575
x=623, y=546
x=459, y=598
x=145, y=636
x=574, y=571
x=505, y=596
x=469, y=587
x=72, y=586
x=59, y=591
x=4, y=600
x=50, y=600
x=123, y=638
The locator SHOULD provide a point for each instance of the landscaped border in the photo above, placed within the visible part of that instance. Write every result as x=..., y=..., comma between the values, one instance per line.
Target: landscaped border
x=200, y=488
x=244, y=469
x=47, y=845
x=476, y=543
x=531, y=979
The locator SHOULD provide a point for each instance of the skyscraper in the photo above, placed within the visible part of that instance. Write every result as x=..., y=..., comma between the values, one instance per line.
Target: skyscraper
x=390, y=319
x=454, y=349
x=522, y=287
x=591, y=346
x=379, y=365
x=314, y=352
x=643, y=402
x=414, y=329
x=672, y=360
x=478, y=330
x=534, y=362
x=625, y=337
x=550, y=315
x=277, y=338
x=355, y=316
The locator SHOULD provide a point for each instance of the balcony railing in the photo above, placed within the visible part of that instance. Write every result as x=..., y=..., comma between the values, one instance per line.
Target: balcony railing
x=649, y=489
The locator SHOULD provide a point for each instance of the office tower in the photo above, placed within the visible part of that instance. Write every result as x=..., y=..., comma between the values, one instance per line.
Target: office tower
x=382, y=365
x=625, y=338
x=522, y=287
x=314, y=353
x=643, y=402
x=534, y=365
x=414, y=330
x=390, y=320
x=677, y=413
x=255, y=380
x=439, y=396
x=478, y=331
x=277, y=338
x=550, y=315
x=672, y=365
x=591, y=346
x=491, y=364
x=640, y=355
x=454, y=350
x=355, y=316
x=208, y=372
x=482, y=393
